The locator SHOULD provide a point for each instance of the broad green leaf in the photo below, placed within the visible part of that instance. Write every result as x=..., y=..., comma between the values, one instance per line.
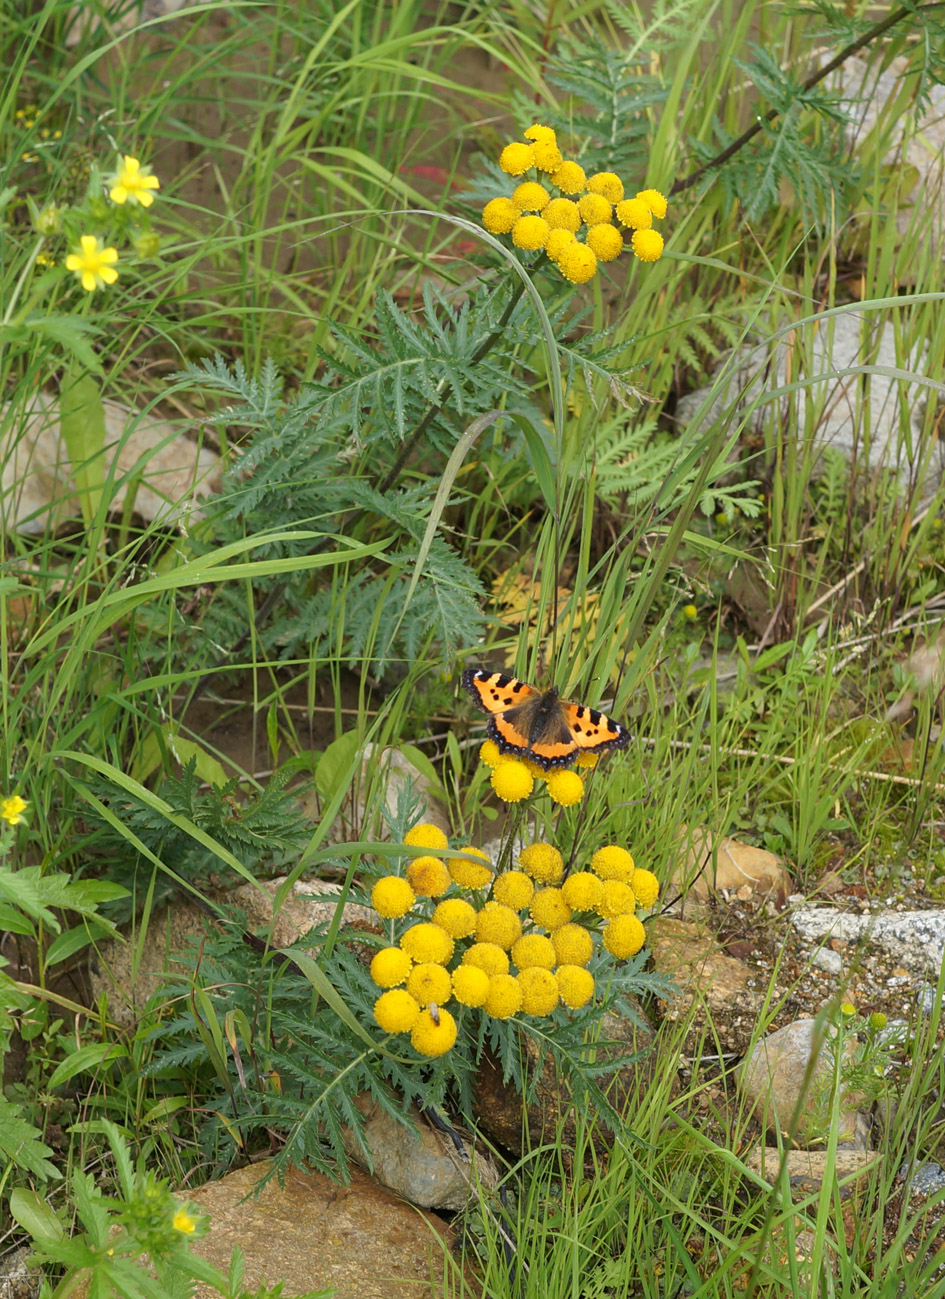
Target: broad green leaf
x=82, y=420
x=87, y=1058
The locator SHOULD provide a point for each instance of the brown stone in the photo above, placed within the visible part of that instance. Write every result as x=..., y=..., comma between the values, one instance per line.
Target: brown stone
x=710, y=864
x=313, y=1233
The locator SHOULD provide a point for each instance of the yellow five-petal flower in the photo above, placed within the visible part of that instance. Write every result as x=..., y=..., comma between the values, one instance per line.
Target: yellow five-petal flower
x=132, y=185
x=94, y=265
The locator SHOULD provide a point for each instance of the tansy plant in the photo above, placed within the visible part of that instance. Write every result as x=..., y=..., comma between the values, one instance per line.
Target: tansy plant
x=577, y=220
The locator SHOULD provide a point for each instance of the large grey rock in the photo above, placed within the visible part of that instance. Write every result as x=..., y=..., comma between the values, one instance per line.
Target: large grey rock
x=914, y=149
x=783, y=1096
x=421, y=1163
x=914, y=938
x=168, y=473
x=850, y=413
x=129, y=971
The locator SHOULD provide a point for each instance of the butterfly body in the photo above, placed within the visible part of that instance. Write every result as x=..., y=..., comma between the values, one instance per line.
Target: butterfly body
x=539, y=725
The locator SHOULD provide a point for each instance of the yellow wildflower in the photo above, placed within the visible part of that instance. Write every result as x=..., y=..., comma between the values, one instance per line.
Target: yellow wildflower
x=132, y=185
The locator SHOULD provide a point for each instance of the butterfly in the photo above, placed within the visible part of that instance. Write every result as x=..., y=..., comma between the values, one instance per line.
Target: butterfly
x=537, y=724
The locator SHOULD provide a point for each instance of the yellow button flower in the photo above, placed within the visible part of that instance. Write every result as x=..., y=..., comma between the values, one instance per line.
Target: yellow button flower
x=396, y=1011
x=516, y=158
x=634, y=214
x=513, y=889
x=573, y=944
x=470, y=874
x=594, y=208
x=425, y=835
x=558, y=241
x=498, y=924
x=562, y=214
x=456, y=916
x=654, y=201
x=576, y=985
x=428, y=877
x=647, y=245
x=549, y=909
x=489, y=750
x=431, y=1035
x=613, y=863
x=12, y=809
x=427, y=942
x=392, y=897
x=471, y=984
x=499, y=215
x=533, y=949
x=582, y=892
x=624, y=936
x=512, y=781
x=646, y=887
x=390, y=966
x=504, y=998
x=540, y=993
x=538, y=132
x=530, y=196
x=428, y=983
x=577, y=263
x=94, y=265
x=542, y=861
x=132, y=185
x=488, y=957
x=530, y=233
x=607, y=183
x=565, y=787
x=618, y=900
x=569, y=178
x=588, y=760
x=606, y=243
x=547, y=156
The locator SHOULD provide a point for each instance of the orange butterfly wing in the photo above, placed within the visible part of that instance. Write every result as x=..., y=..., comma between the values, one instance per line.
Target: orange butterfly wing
x=548, y=730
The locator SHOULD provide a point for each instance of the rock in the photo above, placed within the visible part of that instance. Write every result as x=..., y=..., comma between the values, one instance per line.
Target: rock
x=711, y=865
x=915, y=938
x=776, y=1086
x=129, y=976
x=807, y=1169
x=726, y=863
x=923, y=1179
x=83, y=16
x=688, y=954
x=360, y=1239
x=914, y=148
x=421, y=1164
x=396, y=770
x=169, y=472
x=17, y=1279
x=550, y=1115
x=852, y=414
x=826, y=959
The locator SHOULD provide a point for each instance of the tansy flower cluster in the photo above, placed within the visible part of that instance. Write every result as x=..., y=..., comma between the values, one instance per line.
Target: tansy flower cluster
x=514, y=779
x=515, y=943
x=578, y=220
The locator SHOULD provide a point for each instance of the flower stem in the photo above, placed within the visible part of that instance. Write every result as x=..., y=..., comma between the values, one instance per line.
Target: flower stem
x=847, y=52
